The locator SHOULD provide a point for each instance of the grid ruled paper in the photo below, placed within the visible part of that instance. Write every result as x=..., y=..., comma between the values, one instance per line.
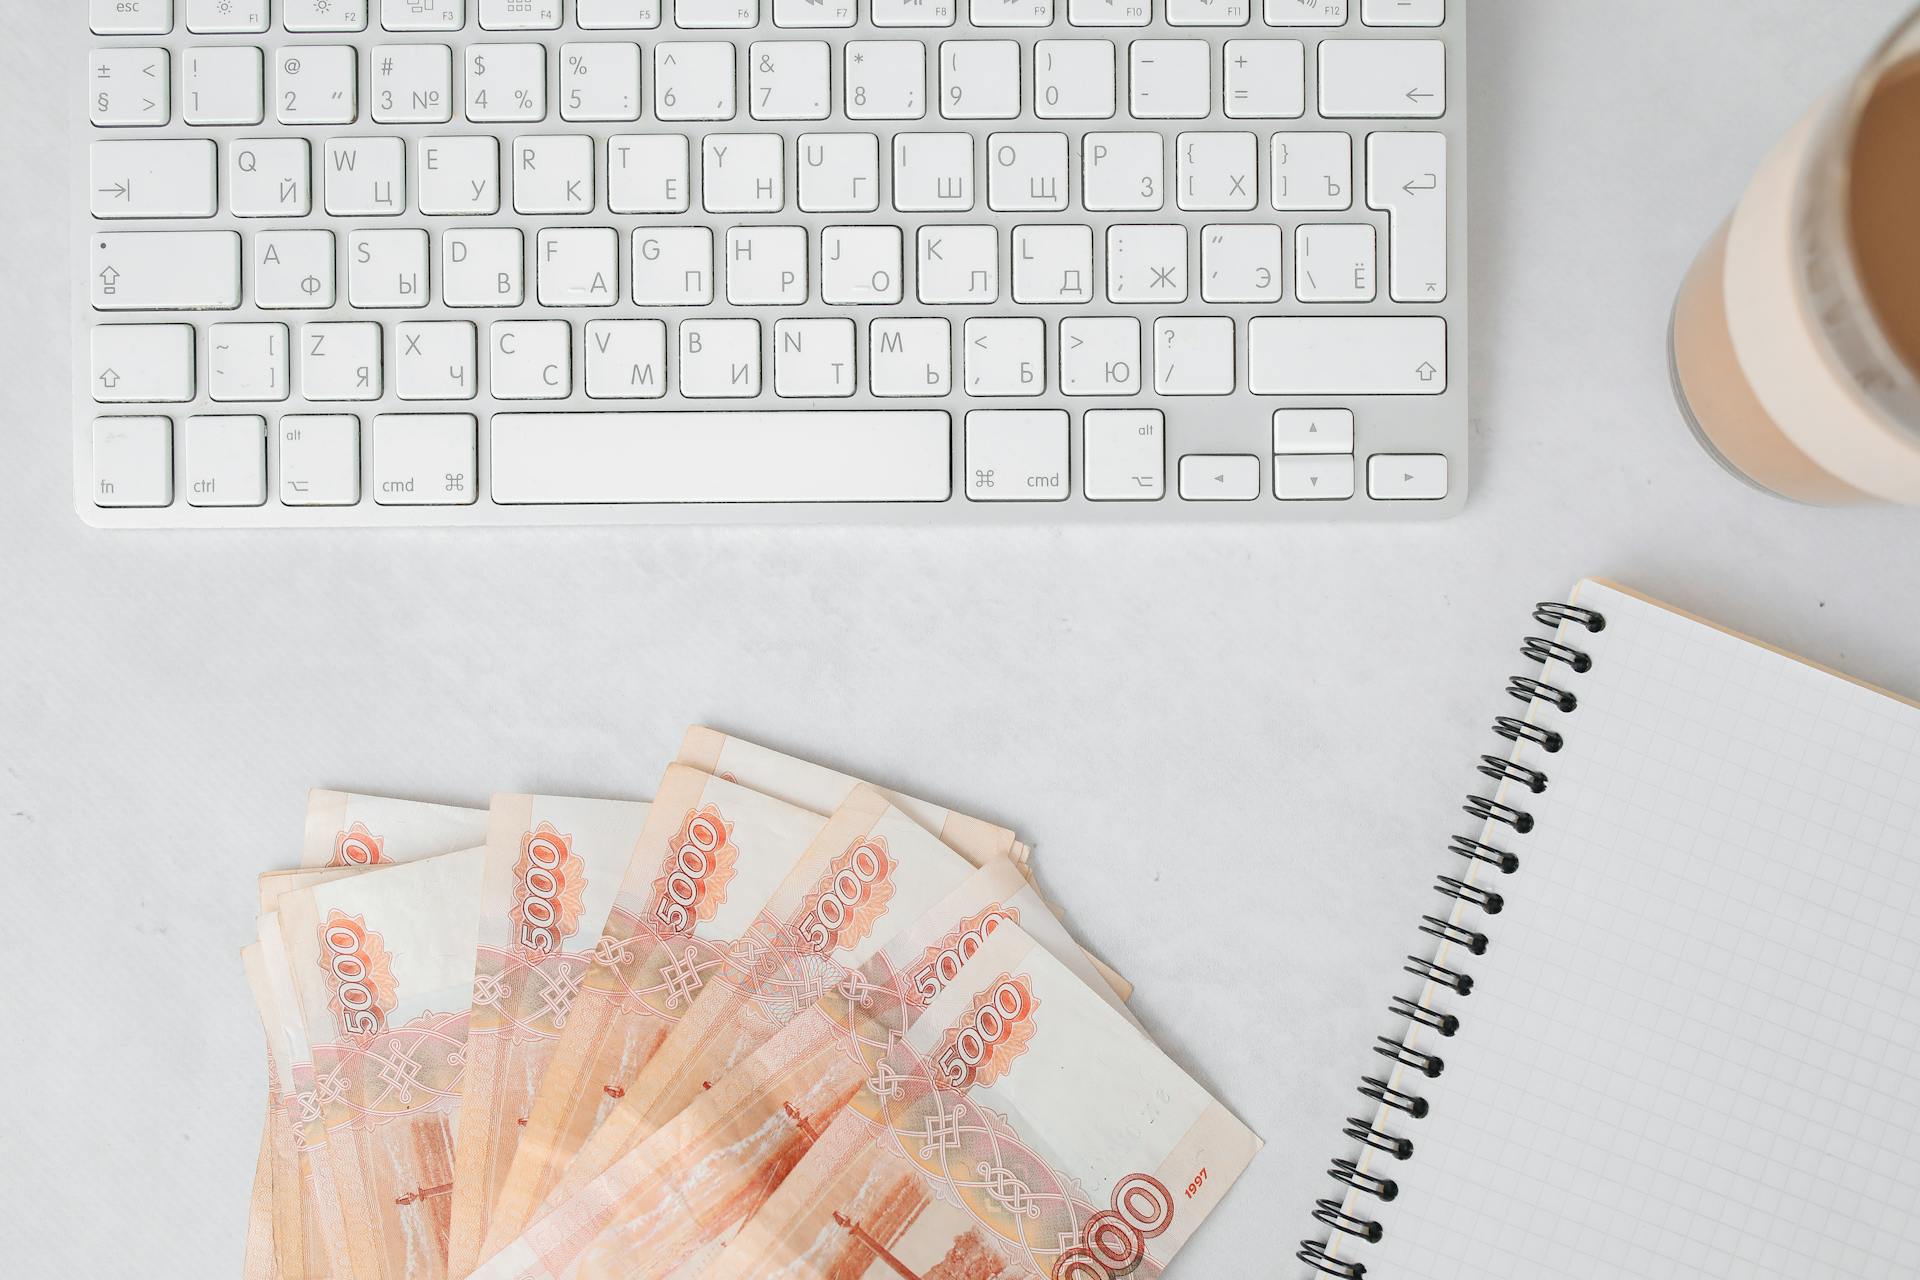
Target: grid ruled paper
x=1693, y=1045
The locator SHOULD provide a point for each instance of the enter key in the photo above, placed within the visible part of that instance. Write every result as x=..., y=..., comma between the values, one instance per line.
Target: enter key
x=1407, y=177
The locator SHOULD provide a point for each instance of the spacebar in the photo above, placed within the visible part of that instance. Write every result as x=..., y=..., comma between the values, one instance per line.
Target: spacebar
x=793, y=455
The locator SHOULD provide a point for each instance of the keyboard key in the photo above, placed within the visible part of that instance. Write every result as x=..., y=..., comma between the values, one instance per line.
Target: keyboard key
x=673, y=267
x=324, y=15
x=520, y=15
x=1125, y=455
x=719, y=359
x=886, y=80
x=1122, y=171
x=932, y=171
x=1206, y=13
x=1407, y=176
x=1240, y=263
x=507, y=83
x=1403, y=13
x=1216, y=170
x=165, y=271
x=785, y=456
x=1053, y=264
x=1305, y=478
x=789, y=80
x=578, y=267
x=319, y=460
x=436, y=360
x=1335, y=262
x=142, y=363
x=1006, y=356
x=820, y=13
x=1017, y=455
x=226, y=461
x=1100, y=356
x=412, y=83
x=1193, y=355
x=132, y=462
x=627, y=359
x=743, y=173
x=1266, y=79
x=366, y=177
x=860, y=266
x=716, y=13
x=766, y=266
x=293, y=271
x=531, y=359
x=1312, y=171
x=1109, y=13
x=247, y=362
x=422, y=15
x=600, y=81
x=1219, y=477
x=460, y=176
x=341, y=362
x=129, y=88
x=1383, y=79
x=1010, y=13
x=959, y=264
x=1146, y=264
x=425, y=459
x=1073, y=79
x=152, y=179
x=1170, y=79
x=1027, y=172
x=693, y=80
x=270, y=178
x=910, y=13
x=1397, y=477
x=910, y=358
x=1306, y=13
x=226, y=17
x=1313, y=431
x=1347, y=355
x=387, y=269
x=553, y=174
x=130, y=17
x=647, y=173
x=980, y=79
x=617, y=15
x=224, y=86
x=317, y=84
x=813, y=359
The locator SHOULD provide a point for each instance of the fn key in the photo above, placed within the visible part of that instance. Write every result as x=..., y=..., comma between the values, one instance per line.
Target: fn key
x=1403, y=477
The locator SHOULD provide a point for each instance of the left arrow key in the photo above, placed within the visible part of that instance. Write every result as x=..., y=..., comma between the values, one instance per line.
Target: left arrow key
x=153, y=179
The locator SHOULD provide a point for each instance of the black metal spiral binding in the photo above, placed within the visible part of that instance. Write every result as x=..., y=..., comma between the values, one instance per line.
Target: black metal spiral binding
x=1334, y=1214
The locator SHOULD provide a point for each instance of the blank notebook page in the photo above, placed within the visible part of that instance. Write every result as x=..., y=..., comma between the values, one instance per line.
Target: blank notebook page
x=1693, y=1045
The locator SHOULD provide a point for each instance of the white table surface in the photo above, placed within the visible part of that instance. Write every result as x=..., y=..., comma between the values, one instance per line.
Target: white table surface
x=1239, y=751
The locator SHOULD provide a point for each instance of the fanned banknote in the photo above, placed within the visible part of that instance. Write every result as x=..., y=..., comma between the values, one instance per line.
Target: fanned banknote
x=1018, y=1130
x=871, y=870
x=345, y=829
x=669, y=1205
x=711, y=854
x=553, y=866
x=383, y=967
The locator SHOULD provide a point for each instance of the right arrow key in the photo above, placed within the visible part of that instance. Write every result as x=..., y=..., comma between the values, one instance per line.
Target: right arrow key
x=1407, y=477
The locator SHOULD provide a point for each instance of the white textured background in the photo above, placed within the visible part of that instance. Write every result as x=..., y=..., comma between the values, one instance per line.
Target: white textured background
x=1239, y=751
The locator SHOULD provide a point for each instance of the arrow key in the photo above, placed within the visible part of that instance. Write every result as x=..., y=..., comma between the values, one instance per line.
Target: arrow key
x=1219, y=477
x=128, y=88
x=1310, y=479
x=1401, y=477
x=1313, y=431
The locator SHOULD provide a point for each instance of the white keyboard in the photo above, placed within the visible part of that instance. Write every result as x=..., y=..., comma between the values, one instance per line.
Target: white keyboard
x=354, y=262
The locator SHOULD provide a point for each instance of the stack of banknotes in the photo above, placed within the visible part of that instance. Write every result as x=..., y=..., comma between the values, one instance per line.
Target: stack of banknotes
x=775, y=1022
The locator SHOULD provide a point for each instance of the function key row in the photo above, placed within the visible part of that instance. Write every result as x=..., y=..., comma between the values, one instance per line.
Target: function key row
x=242, y=17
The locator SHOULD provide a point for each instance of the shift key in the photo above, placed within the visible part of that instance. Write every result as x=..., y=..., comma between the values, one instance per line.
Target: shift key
x=166, y=271
x=1347, y=356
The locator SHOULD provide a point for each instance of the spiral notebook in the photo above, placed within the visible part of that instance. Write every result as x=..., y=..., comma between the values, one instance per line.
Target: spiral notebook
x=1664, y=1020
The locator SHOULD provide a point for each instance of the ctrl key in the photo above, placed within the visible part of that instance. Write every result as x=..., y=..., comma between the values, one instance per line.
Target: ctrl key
x=425, y=460
x=132, y=462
